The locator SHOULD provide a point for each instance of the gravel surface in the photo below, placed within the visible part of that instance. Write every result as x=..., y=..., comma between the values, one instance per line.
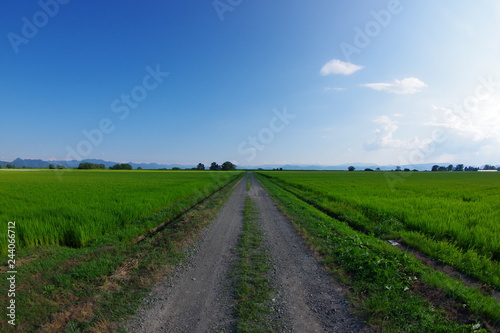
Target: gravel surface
x=198, y=298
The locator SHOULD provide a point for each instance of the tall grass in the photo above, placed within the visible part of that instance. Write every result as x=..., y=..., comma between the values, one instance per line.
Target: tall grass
x=88, y=204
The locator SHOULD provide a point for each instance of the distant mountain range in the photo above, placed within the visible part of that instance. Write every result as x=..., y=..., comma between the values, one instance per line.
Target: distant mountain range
x=19, y=163
x=30, y=163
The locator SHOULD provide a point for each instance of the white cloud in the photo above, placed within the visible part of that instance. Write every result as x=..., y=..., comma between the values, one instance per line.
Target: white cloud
x=384, y=137
x=479, y=123
x=336, y=66
x=457, y=134
x=409, y=85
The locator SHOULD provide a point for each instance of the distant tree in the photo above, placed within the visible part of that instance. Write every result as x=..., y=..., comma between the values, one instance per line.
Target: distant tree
x=459, y=167
x=60, y=167
x=377, y=169
x=435, y=168
x=87, y=166
x=489, y=167
x=351, y=168
x=398, y=168
x=1, y=166
x=200, y=166
x=176, y=168
x=281, y=169
x=368, y=169
x=415, y=170
x=450, y=167
x=84, y=165
x=52, y=166
x=228, y=166
x=442, y=168
x=214, y=166
x=139, y=168
x=10, y=166
x=123, y=166
x=406, y=170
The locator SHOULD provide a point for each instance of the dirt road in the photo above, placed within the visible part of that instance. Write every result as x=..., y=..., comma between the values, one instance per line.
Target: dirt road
x=199, y=297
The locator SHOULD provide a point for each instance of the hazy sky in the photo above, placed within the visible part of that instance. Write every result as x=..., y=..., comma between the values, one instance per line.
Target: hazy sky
x=253, y=82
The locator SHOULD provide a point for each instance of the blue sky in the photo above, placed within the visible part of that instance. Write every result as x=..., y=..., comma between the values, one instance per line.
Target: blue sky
x=253, y=82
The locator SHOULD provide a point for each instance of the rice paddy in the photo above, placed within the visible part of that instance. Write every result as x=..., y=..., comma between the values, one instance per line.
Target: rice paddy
x=452, y=216
x=80, y=206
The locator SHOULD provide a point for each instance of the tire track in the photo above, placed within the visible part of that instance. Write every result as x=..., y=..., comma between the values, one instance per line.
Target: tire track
x=198, y=298
x=313, y=301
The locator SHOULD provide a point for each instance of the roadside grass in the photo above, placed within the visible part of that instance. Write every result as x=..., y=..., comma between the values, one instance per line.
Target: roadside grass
x=92, y=289
x=390, y=288
x=252, y=283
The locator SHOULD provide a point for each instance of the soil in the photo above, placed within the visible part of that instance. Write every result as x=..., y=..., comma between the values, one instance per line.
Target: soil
x=451, y=271
x=199, y=297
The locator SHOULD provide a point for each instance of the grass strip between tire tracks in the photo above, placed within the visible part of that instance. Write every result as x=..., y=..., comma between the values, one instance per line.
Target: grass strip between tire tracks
x=252, y=283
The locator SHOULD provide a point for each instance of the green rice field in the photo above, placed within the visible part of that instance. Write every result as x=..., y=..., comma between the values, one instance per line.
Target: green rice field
x=75, y=207
x=452, y=216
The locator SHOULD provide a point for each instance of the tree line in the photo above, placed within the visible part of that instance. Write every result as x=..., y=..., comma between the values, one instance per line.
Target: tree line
x=461, y=167
x=226, y=166
x=451, y=167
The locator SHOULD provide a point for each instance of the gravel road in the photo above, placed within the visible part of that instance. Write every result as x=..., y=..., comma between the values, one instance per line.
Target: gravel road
x=199, y=298
x=313, y=301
